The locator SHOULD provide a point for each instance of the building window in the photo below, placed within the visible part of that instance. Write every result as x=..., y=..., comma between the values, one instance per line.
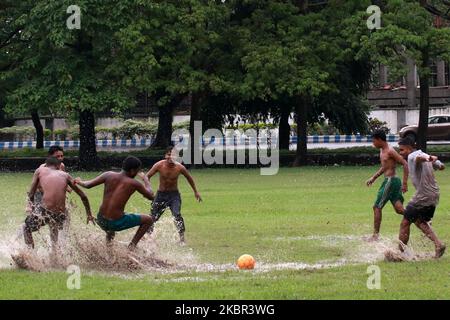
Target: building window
x=433, y=75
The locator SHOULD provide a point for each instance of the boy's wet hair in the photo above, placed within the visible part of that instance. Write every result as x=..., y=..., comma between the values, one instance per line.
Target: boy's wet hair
x=52, y=161
x=379, y=134
x=169, y=149
x=407, y=141
x=131, y=163
x=53, y=149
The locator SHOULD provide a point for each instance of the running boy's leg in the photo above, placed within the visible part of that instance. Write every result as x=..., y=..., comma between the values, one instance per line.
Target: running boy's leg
x=175, y=208
x=146, y=223
x=405, y=227
x=428, y=231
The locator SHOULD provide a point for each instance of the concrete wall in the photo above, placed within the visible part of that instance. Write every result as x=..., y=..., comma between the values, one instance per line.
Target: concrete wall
x=26, y=123
x=395, y=118
x=59, y=123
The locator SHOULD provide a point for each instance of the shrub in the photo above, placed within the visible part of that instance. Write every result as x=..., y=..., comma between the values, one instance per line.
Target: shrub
x=134, y=129
x=181, y=125
x=255, y=126
x=19, y=133
x=376, y=124
x=128, y=130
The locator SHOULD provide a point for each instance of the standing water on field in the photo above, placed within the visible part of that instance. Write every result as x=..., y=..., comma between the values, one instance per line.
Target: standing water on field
x=85, y=246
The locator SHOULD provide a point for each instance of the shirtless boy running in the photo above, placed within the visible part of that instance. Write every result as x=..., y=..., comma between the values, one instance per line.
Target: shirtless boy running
x=392, y=187
x=58, y=153
x=168, y=194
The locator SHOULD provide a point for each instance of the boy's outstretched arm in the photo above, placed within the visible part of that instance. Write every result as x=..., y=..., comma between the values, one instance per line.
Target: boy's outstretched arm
x=91, y=183
x=32, y=191
x=34, y=185
x=437, y=165
x=84, y=199
x=153, y=170
x=146, y=189
x=189, y=178
x=399, y=159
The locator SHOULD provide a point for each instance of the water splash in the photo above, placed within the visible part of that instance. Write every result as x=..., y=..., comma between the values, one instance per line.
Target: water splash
x=86, y=247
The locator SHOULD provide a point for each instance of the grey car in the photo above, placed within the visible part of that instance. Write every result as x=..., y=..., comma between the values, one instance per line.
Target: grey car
x=438, y=128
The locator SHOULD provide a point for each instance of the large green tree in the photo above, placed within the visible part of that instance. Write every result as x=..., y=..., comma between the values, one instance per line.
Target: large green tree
x=174, y=50
x=408, y=32
x=13, y=42
x=308, y=58
x=67, y=71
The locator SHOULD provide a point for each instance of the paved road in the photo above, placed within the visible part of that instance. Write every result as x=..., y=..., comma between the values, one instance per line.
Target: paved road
x=360, y=144
x=310, y=145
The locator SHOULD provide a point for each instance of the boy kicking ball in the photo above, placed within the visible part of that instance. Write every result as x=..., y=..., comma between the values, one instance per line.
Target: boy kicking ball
x=119, y=187
x=420, y=209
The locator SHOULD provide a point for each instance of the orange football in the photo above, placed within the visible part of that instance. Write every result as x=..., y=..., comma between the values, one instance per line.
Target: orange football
x=246, y=261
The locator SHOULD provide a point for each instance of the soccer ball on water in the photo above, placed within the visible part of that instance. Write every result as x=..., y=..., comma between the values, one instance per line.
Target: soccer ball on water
x=246, y=261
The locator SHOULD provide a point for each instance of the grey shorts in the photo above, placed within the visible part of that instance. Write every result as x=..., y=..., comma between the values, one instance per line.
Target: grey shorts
x=41, y=217
x=164, y=200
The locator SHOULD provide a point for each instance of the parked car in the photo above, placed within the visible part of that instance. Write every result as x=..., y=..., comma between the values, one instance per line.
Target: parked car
x=438, y=128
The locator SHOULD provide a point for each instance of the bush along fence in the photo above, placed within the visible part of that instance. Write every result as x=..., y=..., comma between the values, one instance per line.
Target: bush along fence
x=129, y=129
x=143, y=143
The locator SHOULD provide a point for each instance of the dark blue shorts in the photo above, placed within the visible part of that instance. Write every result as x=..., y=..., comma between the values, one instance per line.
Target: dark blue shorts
x=128, y=220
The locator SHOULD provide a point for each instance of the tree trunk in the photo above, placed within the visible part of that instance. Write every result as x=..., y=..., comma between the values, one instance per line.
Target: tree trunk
x=88, y=150
x=424, y=107
x=195, y=116
x=2, y=117
x=301, y=109
x=164, y=133
x=302, y=5
x=284, y=130
x=39, y=129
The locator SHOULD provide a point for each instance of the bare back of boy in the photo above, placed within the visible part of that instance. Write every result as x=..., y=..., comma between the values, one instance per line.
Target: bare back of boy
x=54, y=185
x=61, y=167
x=117, y=192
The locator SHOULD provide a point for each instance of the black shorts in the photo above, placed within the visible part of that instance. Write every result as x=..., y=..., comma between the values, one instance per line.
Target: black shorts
x=164, y=200
x=41, y=217
x=412, y=214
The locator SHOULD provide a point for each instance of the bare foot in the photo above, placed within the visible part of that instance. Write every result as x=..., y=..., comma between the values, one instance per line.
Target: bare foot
x=392, y=256
x=373, y=238
x=131, y=247
x=182, y=242
x=440, y=251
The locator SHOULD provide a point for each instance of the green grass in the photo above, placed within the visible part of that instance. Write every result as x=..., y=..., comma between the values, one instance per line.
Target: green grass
x=270, y=217
x=30, y=152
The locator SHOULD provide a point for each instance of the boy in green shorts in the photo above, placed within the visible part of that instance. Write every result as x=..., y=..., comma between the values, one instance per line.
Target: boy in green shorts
x=392, y=187
x=119, y=187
